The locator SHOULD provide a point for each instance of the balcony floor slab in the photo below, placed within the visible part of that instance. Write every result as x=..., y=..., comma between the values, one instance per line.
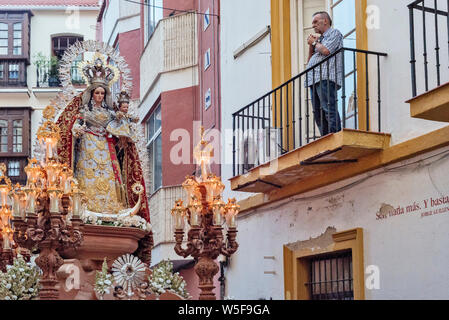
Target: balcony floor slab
x=329, y=152
x=432, y=105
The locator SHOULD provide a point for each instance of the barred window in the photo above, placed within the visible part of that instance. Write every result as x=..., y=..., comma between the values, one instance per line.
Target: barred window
x=331, y=277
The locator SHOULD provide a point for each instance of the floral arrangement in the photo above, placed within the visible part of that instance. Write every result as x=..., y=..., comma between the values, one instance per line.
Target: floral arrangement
x=103, y=280
x=129, y=221
x=20, y=281
x=163, y=279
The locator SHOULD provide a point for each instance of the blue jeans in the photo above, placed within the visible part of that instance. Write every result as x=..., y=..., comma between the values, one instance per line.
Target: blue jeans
x=325, y=107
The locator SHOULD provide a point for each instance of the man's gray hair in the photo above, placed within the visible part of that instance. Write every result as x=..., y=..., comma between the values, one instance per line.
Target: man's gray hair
x=325, y=14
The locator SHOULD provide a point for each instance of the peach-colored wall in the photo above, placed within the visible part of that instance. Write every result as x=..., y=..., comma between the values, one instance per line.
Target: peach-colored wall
x=177, y=107
x=191, y=279
x=130, y=49
x=210, y=78
x=183, y=5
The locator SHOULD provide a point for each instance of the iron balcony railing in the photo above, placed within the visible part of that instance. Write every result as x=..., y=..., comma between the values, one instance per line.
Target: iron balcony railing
x=429, y=28
x=283, y=119
x=46, y=77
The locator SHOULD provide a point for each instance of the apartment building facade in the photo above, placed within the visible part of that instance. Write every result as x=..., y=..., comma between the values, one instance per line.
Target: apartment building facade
x=179, y=93
x=358, y=214
x=34, y=35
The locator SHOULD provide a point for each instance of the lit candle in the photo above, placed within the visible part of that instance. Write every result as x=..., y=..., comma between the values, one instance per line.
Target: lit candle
x=232, y=209
x=76, y=200
x=179, y=221
x=31, y=203
x=54, y=202
x=16, y=212
x=178, y=215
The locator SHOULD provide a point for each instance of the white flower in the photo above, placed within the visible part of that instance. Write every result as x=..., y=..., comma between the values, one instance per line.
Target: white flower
x=7, y=298
x=31, y=290
x=8, y=286
x=21, y=269
x=108, y=282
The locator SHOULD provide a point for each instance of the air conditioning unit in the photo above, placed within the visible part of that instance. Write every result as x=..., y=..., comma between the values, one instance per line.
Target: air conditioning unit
x=249, y=150
x=259, y=146
x=269, y=144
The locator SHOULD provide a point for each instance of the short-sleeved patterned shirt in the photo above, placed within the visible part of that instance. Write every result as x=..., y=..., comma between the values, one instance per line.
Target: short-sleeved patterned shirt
x=332, y=39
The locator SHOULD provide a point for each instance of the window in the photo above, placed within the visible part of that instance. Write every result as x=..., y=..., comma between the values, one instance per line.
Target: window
x=206, y=21
x=154, y=137
x=208, y=99
x=155, y=13
x=14, y=168
x=207, y=59
x=331, y=277
x=3, y=38
x=3, y=136
x=17, y=39
x=13, y=71
x=60, y=44
x=17, y=136
x=335, y=272
x=344, y=19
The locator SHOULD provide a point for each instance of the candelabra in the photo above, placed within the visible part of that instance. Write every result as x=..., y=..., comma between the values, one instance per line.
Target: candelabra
x=206, y=213
x=46, y=212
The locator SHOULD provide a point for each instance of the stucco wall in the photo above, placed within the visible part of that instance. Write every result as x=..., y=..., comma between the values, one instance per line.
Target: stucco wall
x=410, y=250
x=246, y=78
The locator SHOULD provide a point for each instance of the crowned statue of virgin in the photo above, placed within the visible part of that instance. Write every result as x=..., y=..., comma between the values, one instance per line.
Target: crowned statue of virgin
x=92, y=132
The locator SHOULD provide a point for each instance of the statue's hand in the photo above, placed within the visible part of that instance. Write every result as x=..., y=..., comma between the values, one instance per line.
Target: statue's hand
x=78, y=130
x=119, y=115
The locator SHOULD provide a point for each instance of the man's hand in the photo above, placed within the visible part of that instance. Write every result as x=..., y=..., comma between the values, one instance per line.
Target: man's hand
x=311, y=39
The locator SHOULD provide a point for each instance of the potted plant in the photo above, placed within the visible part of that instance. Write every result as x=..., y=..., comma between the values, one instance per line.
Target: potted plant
x=41, y=63
x=53, y=73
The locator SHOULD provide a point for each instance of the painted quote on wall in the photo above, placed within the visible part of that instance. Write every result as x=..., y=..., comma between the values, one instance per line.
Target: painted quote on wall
x=424, y=208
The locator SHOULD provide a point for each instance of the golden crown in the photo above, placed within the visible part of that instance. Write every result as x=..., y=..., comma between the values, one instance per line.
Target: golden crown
x=99, y=72
x=123, y=97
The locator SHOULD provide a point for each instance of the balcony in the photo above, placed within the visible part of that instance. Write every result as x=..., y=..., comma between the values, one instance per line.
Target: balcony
x=277, y=140
x=429, y=29
x=161, y=203
x=169, y=54
x=48, y=77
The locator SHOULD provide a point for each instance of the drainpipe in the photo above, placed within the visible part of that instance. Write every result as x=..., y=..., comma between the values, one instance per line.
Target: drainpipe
x=223, y=263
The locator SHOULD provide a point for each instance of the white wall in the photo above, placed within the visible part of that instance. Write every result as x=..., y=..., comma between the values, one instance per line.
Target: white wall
x=120, y=17
x=410, y=251
x=44, y=24
x=249, y=76
x=393, y=38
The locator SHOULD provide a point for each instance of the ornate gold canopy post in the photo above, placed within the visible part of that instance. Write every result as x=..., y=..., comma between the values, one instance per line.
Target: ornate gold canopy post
x=41, y=209
x=206, y=214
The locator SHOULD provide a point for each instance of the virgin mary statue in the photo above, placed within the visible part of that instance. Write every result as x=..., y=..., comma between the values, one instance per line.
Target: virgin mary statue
x=111, y=188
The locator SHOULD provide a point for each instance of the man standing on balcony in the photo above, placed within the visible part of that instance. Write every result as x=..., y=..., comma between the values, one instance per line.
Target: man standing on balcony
x=324, y=86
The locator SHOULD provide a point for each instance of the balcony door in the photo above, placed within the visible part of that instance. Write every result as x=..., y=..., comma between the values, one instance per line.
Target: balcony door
x=348, y=16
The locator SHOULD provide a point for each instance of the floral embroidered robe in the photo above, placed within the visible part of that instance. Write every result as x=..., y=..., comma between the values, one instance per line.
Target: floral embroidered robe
x=96, y=167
